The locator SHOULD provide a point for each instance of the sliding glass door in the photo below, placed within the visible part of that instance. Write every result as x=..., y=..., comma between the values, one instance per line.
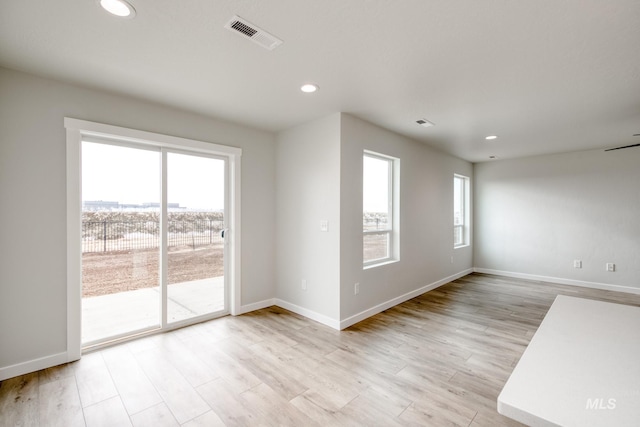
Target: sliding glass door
x=195, y=246
x=120, y=241
x=153, y=252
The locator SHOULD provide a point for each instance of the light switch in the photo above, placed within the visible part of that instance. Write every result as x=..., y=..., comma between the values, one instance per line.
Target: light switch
x=324, y=225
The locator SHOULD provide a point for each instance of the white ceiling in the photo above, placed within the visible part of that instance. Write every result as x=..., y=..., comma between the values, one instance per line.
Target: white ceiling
x=545, y=76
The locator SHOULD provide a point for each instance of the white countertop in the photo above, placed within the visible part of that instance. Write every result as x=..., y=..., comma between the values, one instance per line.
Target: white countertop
x=581, y=368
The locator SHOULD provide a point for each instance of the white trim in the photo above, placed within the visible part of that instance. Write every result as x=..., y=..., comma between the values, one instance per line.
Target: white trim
x=74, y=239
x=234, y=225
x=399, y=300
x=466, y=211
x=560, y=281
x=163, y=264
x=309, y=314
x=256, y=306
x=34, y=365
x=110, y=132
x=340, y=325
x=381, y=264
x=393, y=208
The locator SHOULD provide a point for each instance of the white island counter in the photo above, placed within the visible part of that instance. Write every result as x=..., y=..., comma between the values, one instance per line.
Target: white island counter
x=581, y=368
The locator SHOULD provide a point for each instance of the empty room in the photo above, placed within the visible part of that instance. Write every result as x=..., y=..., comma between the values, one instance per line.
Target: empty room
x=319, y=213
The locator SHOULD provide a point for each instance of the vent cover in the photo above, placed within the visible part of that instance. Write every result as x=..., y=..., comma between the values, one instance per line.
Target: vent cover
x=246, y=29
x=424, y=122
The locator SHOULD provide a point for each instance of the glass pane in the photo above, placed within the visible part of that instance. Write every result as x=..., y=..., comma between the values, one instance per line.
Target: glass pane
x=120, y=241
x=376, y=246
x=195, y=195
x=458, y=201
x=457, y=235
x=376, y=193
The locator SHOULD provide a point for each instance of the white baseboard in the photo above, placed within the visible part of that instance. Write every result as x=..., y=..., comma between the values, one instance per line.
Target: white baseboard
x=399, y=300
x=256, y=306
x=560, y=281
x=310, y=314
x=33, y=365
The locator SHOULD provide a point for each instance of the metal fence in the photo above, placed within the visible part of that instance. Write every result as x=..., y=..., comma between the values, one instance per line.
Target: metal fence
x=107, y=236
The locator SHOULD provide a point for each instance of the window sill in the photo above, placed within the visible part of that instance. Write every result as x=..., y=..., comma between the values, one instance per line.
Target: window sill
x=380, y=264
x=461, y=246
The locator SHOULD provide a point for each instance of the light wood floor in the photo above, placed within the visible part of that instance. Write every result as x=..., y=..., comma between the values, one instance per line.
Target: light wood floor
x=438, y=359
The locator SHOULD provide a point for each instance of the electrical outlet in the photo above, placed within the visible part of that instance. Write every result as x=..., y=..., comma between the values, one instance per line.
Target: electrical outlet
x=304, y=284
x=577, y=263
x=356, y=289
x=611, y=266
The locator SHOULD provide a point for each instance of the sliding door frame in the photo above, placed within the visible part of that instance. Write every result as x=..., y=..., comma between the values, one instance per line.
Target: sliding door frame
x=77, y=130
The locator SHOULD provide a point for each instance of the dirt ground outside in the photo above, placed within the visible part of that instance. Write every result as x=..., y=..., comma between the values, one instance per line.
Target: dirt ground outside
x=375, y=247
x=106, y=273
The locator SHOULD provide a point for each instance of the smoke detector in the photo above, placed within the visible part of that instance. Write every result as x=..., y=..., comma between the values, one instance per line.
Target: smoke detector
x=257, y=35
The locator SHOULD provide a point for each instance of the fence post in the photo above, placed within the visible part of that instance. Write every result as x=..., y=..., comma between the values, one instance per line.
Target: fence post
x=104, y=236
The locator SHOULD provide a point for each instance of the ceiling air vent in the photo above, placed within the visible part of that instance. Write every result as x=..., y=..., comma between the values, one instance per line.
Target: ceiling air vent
x=424, y=122
x=246, y=29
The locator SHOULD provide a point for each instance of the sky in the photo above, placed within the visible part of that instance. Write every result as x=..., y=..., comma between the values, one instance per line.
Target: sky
x=132, y=176
x=375, y=190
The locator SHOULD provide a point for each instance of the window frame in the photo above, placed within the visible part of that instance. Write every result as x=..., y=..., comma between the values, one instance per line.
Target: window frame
x=465, y=217
x=392, y=229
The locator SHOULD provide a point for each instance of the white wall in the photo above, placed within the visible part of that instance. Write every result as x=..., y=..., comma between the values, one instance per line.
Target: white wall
x=33, y=200
x=536, y=215
x=426, y=221
x=308, y=191
x=319, y=176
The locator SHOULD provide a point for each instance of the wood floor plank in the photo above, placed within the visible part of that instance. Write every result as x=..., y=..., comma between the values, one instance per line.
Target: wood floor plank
x=135, y=389
x=276, y=375
x=59, y=404
x=274, y=408
x=486, y=417
x=384, y=400
x=208, y=419
x=181, y=398
x=232, y=410
x=318, y=407
x=108, y=413
x=437, y=412
x=156, y=416
x=187, y=363
x=19, y=401
x=95, y=383
x=56, y=372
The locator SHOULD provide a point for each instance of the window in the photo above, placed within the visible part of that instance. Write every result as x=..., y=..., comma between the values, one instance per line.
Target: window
x=460, y=211
x=379, y=219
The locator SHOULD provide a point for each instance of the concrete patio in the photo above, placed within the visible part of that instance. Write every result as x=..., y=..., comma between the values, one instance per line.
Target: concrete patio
x=115, y=314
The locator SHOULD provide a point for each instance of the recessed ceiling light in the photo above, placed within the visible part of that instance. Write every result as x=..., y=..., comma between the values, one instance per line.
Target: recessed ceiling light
x=119, y=8
x=491, y=137
x=309, y=88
